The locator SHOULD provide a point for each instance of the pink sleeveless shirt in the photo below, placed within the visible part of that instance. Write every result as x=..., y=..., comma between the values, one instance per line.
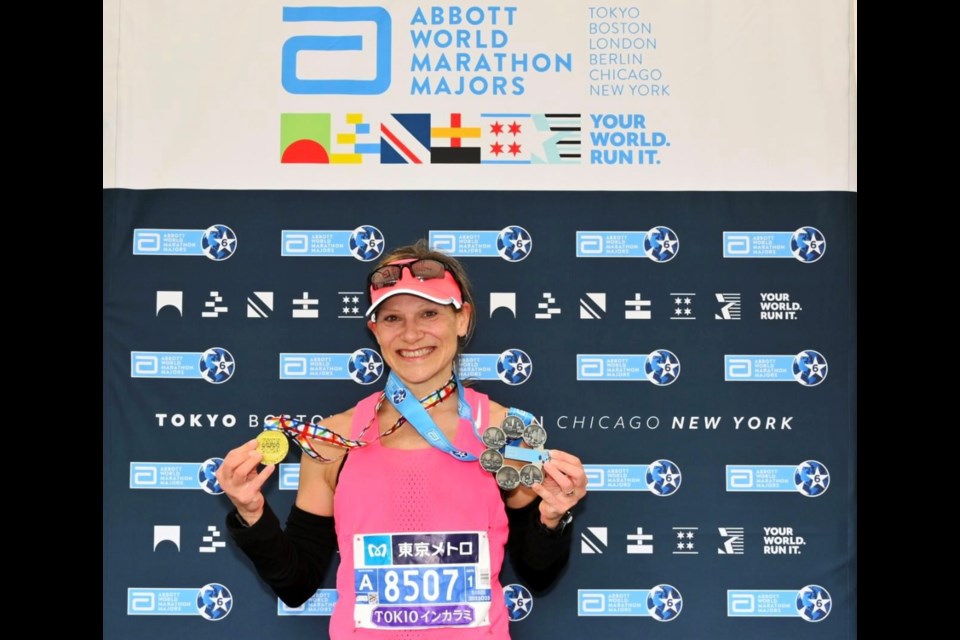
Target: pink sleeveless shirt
x=442, y=504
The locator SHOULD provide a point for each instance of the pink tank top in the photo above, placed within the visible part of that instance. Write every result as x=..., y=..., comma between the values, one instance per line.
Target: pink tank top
x=423, y=523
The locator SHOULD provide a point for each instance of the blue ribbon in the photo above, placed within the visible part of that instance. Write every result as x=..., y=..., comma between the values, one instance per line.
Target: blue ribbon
x=411, y=409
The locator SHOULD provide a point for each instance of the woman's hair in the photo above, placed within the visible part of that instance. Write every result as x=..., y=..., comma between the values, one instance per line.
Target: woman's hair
x=421, y=251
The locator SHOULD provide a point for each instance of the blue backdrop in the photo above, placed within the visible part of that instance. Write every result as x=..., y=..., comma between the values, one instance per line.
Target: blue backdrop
x=753, y=539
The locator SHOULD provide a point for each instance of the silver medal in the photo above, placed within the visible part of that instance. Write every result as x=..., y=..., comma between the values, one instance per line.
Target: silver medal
x=530, y=475
x=512, y=426
x=508, y=478
x=534, y=436
x=494, y=437
x=491, y=460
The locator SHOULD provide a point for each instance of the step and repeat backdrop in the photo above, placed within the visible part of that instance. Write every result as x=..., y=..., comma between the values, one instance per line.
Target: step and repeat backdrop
x=656, y=203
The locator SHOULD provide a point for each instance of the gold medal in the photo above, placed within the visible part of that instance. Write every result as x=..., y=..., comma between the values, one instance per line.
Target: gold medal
x=273, y=446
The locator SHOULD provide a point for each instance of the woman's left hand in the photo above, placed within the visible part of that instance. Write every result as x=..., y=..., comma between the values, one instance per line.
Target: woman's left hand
x=564, y=485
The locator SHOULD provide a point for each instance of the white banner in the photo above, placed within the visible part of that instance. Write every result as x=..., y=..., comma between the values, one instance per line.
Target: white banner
x=644, y=95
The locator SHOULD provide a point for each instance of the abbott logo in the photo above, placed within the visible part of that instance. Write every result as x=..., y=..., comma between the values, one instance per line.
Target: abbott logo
x=736, y=244
x=739, y=368
x=146, y=242
x=341, y=48
x=143, y=475
x=596, y=478
x=289, y=476
x=738, y=478
x=293, y=366
x=142, y=601
x=444, y=242
x=592, y=602
x=590, y=244
x=295, y=243
x=590, y=368
x=144, y=365
x=742, y=603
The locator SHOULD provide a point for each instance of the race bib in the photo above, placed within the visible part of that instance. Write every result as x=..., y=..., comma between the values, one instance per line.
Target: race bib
x=421, y=580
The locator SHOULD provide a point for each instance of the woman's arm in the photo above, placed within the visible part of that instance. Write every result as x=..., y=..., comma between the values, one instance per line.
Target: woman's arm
x=539, y=541
x=294, y=560
x=538, y=554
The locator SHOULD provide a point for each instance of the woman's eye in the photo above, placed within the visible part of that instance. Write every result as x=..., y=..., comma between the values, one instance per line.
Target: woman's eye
x=391, y=318
x=429, y=314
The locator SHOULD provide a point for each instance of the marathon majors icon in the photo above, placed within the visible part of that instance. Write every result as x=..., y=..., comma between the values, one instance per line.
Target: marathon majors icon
x=217, y=242
x=512, y=366
x=809, y=368
x=661, y=477
x=811, y=603
x=660, y=366
x=659, y=244
x=806, y=244
x=215, y=365
x=365, y=243
x=512, y=243
x=177, y=475
x=363, y=366
x=810, y=478
x=212, y=601
x=662, y=602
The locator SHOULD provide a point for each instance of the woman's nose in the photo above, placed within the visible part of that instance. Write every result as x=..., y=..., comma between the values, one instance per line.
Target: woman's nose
x=411, y=331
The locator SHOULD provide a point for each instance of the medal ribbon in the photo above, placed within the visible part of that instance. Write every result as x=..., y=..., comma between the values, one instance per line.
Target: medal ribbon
x=404, y=401
x=304, y=433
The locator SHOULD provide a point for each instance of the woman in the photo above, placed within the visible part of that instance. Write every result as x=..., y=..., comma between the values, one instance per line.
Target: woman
x=422, y=529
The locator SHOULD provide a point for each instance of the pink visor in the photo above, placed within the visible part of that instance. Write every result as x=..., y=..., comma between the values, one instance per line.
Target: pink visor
x=443, y=290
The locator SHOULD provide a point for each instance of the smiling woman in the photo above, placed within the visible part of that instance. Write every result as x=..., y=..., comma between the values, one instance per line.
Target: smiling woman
x=418, y=340
x=429, y=554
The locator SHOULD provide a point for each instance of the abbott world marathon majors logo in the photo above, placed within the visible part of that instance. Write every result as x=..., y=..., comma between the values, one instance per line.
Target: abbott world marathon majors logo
x=216, y=365
x=661, y=477
x=812, y=603
x=662, y=603
x=349, y=51
x=512, y=367
x=661, y=367
x=212, y=601
x=809, y=478
x=177, y=475
x=218, y=242
x=363, y=366
x=659, y=244
x=365, y=243
x=513, y=243
x=806, y=244
x=809, y=368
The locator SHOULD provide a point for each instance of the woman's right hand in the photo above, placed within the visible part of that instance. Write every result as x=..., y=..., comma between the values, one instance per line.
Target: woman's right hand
x=239, y=479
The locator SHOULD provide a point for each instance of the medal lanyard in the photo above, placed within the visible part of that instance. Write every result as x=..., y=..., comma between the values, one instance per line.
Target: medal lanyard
x=404, y=402
x=305, y=433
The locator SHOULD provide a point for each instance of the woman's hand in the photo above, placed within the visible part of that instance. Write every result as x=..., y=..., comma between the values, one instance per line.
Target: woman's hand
x=564, y=485
x=239, y=479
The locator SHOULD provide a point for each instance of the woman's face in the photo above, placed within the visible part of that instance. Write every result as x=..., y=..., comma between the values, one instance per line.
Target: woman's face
x=418, y=339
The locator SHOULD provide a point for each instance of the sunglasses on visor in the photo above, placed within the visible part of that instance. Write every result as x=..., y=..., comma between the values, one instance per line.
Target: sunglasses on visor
x=389, y=275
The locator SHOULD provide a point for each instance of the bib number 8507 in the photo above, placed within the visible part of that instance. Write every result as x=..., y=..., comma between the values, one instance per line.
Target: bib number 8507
x=421, y=585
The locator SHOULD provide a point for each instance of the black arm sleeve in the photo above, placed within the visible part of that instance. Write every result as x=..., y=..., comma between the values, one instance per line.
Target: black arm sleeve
x=537, y=556
x=292, y=561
